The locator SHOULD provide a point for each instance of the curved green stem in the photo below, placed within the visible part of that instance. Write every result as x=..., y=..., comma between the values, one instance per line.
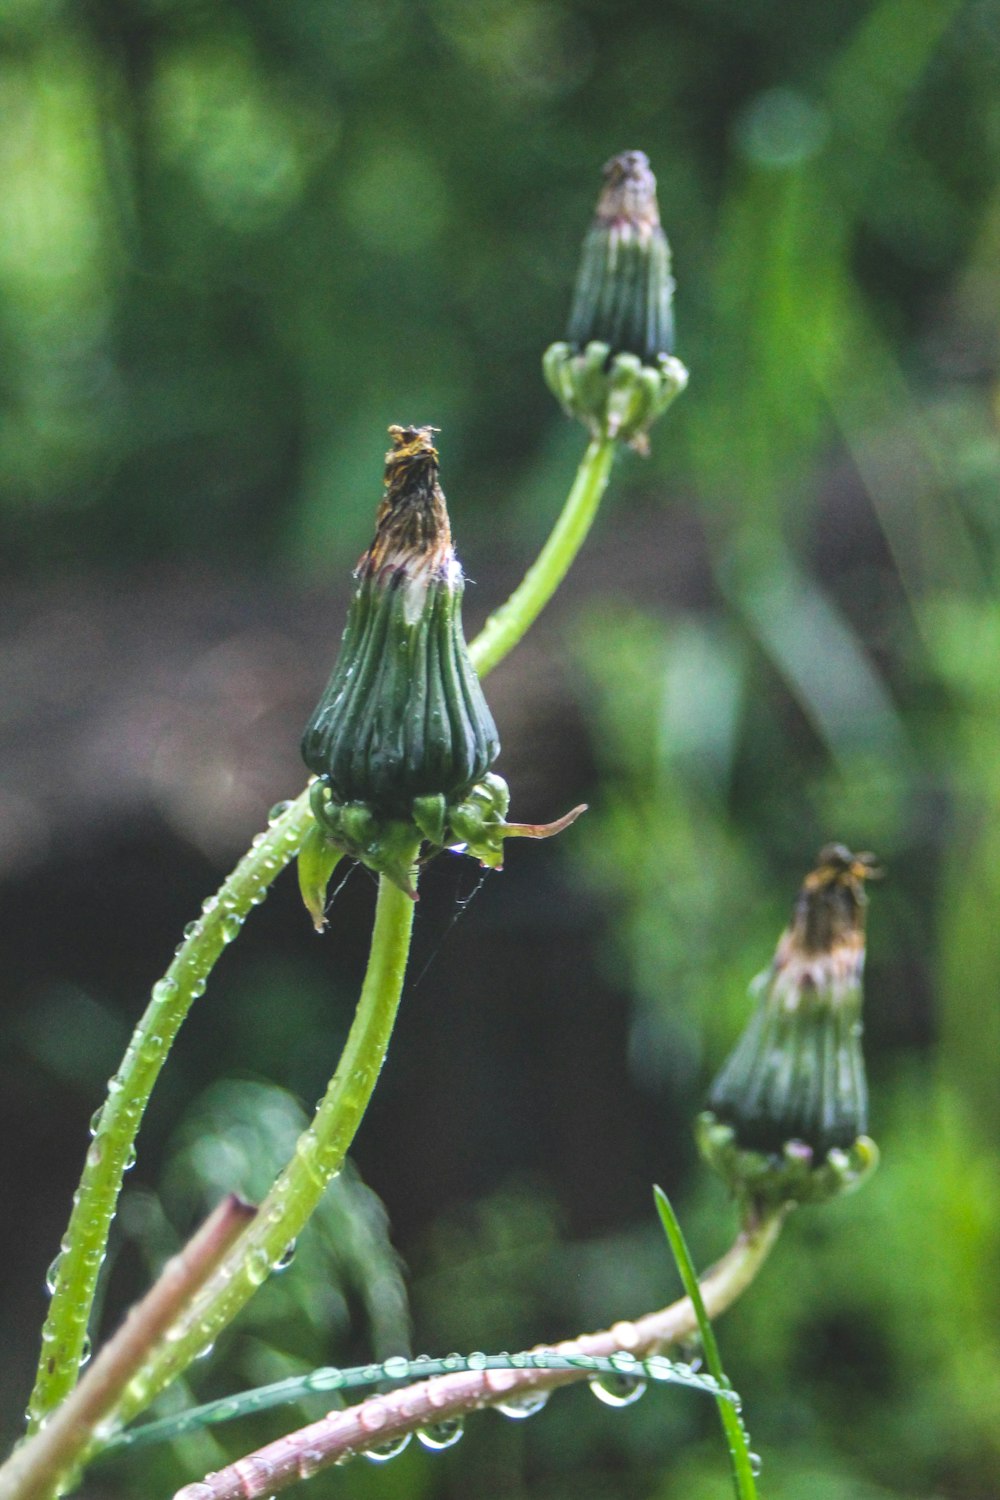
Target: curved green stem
x=319, y=1155
x=475, y=1383
x=507, y=625
x=110, y=1154
x=65, y=1332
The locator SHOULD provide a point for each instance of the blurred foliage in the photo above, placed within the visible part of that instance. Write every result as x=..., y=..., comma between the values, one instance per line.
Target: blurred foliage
x=236, y=241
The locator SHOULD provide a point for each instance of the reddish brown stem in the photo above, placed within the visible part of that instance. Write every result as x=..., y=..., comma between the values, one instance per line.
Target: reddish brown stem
x=38, y=1469
x=384, y=1418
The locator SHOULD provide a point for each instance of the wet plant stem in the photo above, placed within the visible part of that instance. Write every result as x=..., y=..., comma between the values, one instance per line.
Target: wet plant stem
x=111, y=1152
x=45, y=1465
x=319, y=1155
x=388, y=1417
x=508, y=624
x=65, y=1331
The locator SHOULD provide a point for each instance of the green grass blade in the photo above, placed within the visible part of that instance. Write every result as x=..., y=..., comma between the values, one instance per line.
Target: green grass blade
x=397, y=1370
x=743, y=1462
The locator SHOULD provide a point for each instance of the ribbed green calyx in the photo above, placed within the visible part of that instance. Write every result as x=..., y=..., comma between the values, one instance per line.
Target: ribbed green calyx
x=788, y=1112
x=403, y=714
x=402, y=741
x=615, y=371
x=624, y=290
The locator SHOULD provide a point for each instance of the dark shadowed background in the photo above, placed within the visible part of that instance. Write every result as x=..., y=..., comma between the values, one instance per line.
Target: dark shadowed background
x=236, y=241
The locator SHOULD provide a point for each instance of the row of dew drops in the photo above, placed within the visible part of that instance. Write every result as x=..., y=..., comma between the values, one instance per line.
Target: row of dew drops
x=617, y=1380
x=189, y=970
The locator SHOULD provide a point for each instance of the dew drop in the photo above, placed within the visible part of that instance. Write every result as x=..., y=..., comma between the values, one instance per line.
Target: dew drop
x=443, y=1434
x=130, y=1160
x=164, y=989
x=286, y=1257
x=209, y=904
x=373, y=1415
x=617, y=1390
x=756, y=1463
x=326, y=1380
x=258, y=1266
x=528, y=1405
x=193, y=929
x=396, y=1368
x=277, y=811
x=85, y=1351
x=384, y=1451
x=257, y=840
x=52, y=1275
x=476, y=1360
x=95, y=1120
x=230, y=925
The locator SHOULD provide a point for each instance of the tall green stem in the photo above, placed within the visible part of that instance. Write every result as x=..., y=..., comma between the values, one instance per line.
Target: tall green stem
x=65, y=1332
x=319, y=1155
x=74, y=1274
x=507, y=625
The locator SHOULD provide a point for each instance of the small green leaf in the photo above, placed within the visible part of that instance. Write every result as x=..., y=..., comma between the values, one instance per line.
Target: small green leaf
x=318, y=859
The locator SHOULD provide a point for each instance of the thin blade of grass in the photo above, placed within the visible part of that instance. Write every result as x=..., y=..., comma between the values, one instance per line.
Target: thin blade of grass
x=744, y=1482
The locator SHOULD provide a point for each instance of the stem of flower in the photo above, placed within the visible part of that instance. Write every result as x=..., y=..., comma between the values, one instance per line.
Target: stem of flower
x=111, y=1151
x=319, y=1155
x=389, y=1416
x=43, y=1466
x=95, y=1200
x=508, y=624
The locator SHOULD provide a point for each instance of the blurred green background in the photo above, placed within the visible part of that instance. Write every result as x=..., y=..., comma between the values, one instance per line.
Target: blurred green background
x=236, y=241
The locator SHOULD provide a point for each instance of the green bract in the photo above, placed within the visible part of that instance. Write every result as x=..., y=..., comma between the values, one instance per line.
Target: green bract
x=402, y=740
x=615, y=371
x=788, y=1111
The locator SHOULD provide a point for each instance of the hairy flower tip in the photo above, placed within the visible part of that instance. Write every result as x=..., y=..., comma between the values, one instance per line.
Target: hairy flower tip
x=788, y=1111
x=616, y=372
x=412, y=530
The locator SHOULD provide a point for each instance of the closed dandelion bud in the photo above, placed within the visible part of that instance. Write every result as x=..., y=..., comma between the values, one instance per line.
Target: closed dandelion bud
x=616, y=370
x=403, y=714
x=788, y=1112
x=402, y=740
x=624, y=290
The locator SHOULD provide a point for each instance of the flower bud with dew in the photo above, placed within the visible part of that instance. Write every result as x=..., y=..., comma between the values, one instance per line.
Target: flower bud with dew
x=402, y=741
x=788, y=1112
x=616, y=371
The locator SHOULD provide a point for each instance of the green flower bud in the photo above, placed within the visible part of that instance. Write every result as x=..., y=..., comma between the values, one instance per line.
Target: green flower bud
x=624, y=289
x=403, y=715
x=616, y=371
x=402, y=741
x=788, y=1112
